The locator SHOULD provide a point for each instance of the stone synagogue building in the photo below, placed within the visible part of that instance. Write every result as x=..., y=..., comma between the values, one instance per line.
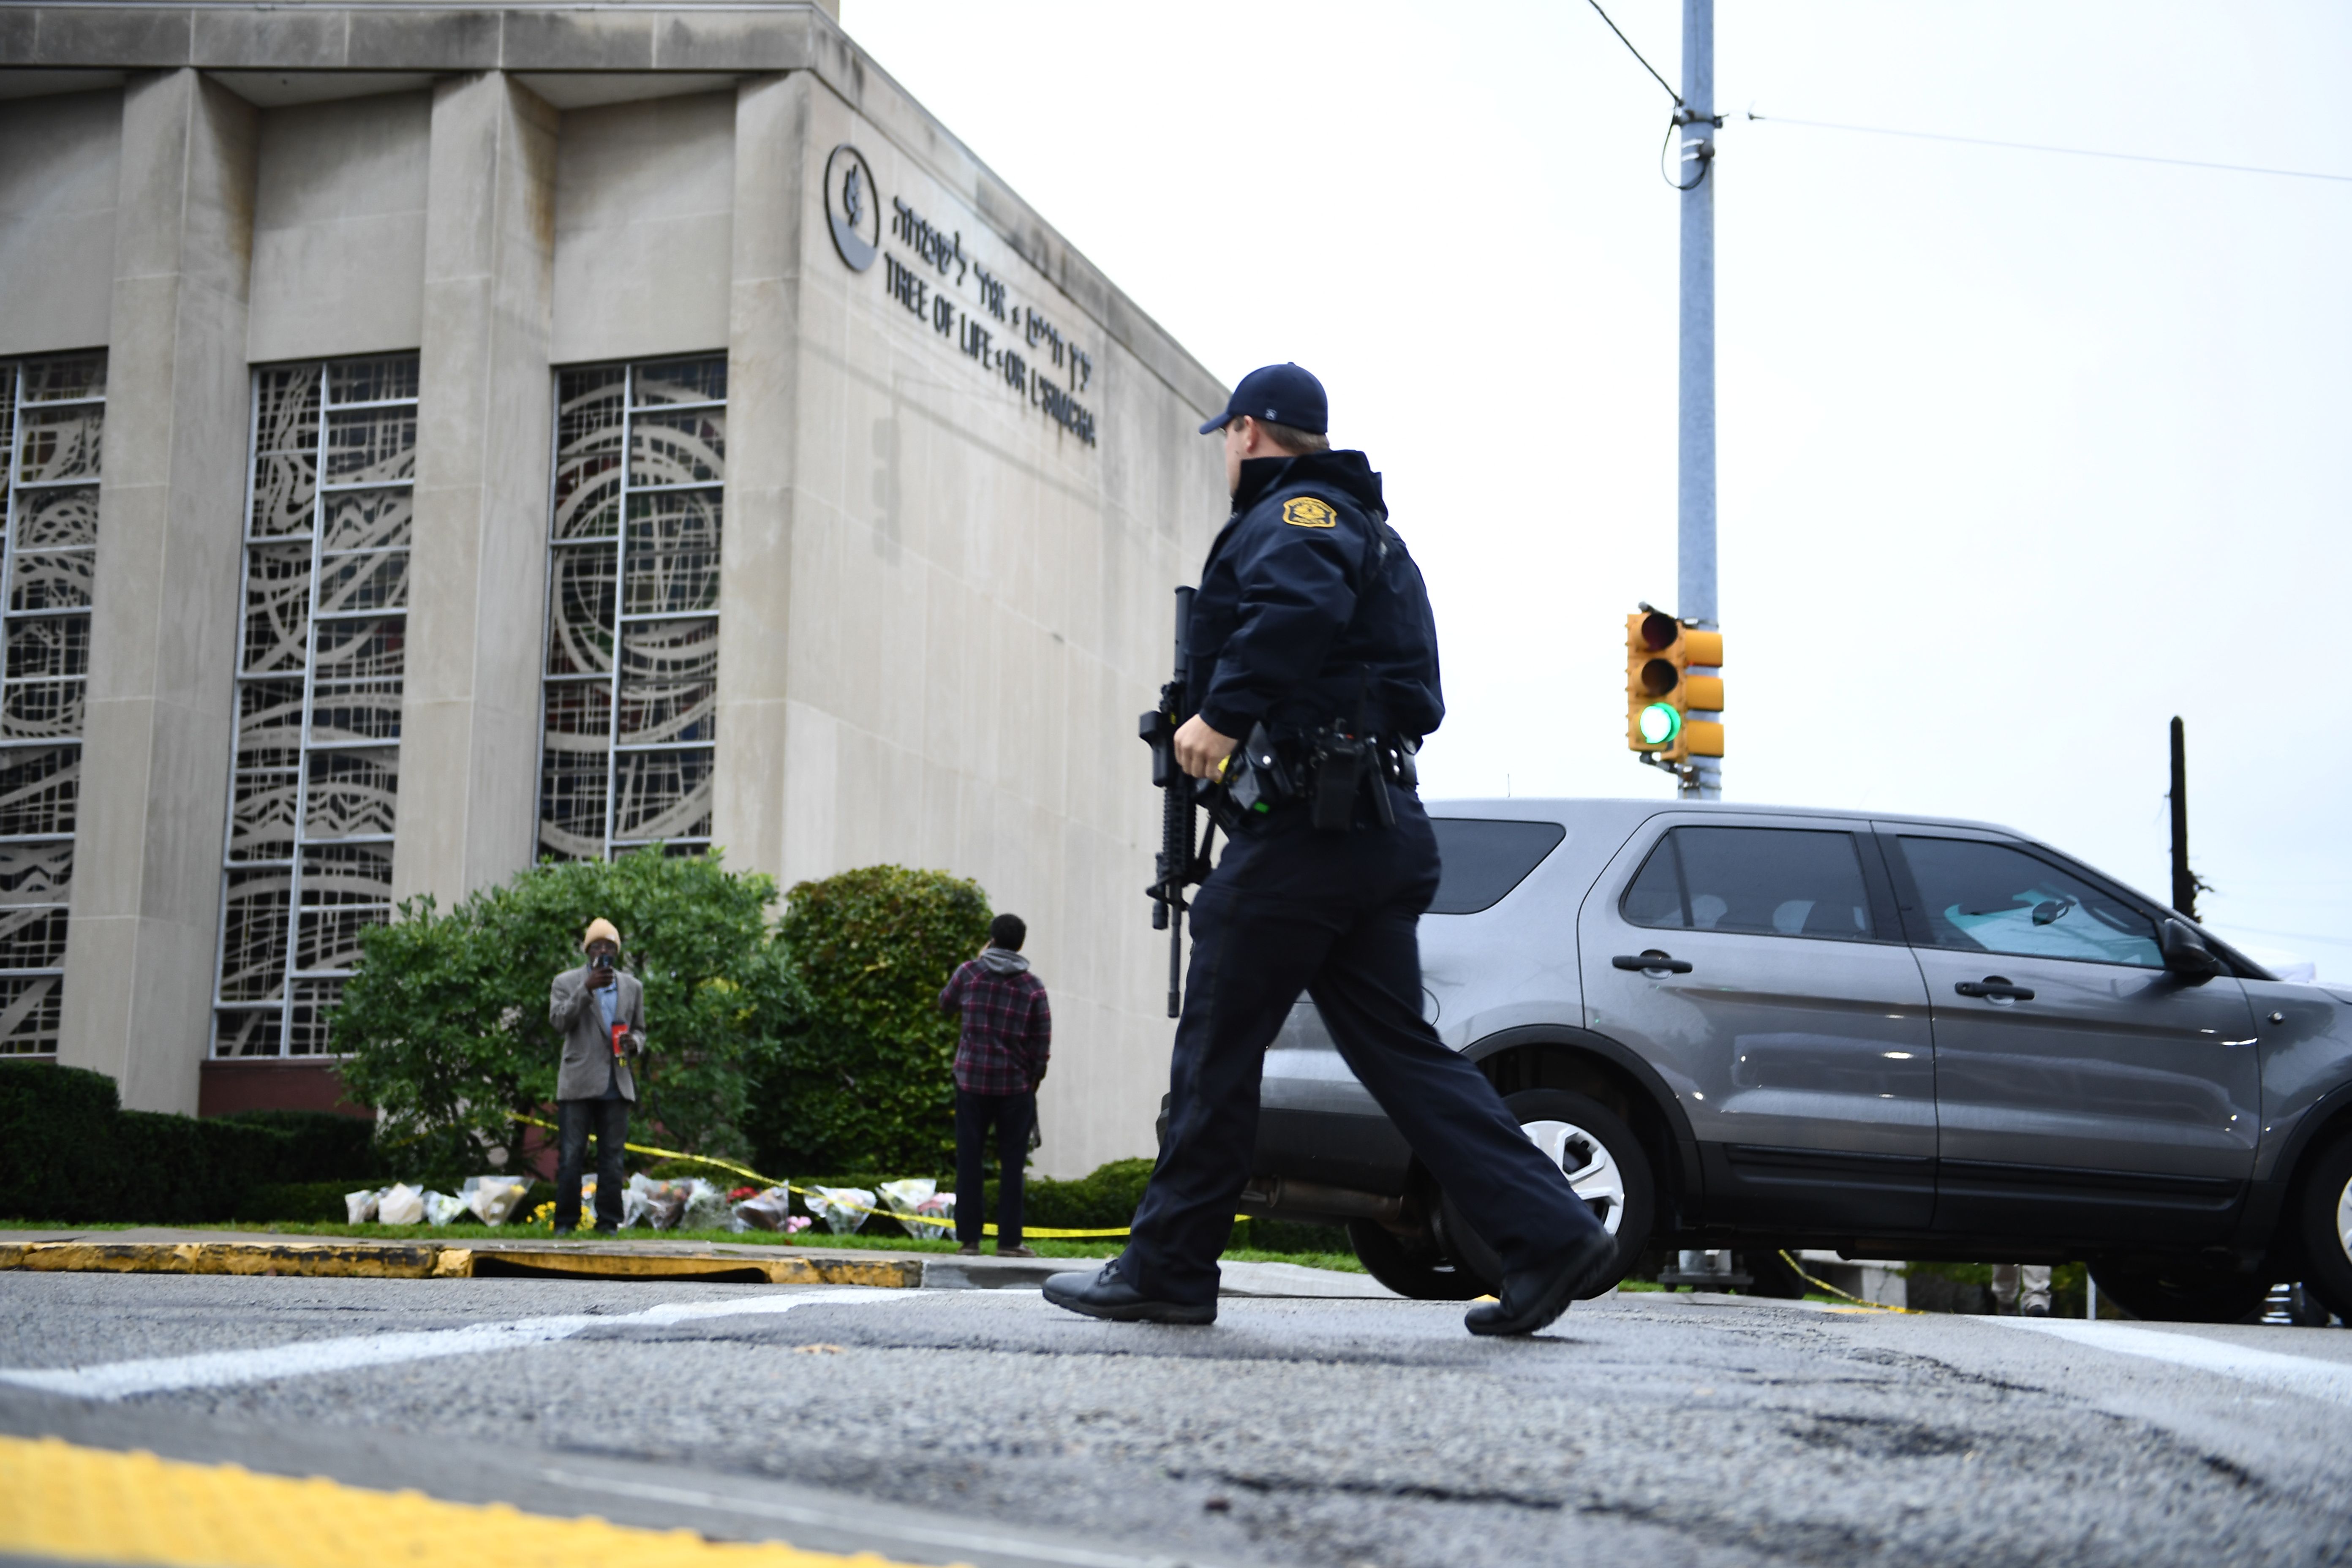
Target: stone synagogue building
x=440, y=436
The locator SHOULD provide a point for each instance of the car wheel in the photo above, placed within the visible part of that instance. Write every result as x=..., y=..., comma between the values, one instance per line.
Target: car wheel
x=1410, y=1267
x=2183, y=1291
x=1602, y=1160
x=2326, y=1223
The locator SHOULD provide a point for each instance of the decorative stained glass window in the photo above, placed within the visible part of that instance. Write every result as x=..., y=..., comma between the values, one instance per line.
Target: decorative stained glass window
x=315, y=788
x=632, y=682
x=52, y=420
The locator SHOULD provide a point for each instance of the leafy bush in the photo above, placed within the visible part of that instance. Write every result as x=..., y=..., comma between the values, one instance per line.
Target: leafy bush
x=446, y=1019
x=70, y=1151
x=866, y=1079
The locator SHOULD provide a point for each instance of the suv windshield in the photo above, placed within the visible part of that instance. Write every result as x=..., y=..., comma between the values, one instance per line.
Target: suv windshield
x=1482, y=859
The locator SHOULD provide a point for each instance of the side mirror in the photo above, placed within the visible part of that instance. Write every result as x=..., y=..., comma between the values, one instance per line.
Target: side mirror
x=2186, y=954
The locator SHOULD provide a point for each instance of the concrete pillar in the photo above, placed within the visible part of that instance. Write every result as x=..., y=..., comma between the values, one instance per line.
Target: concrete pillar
x=139, y=952
x=772, y=172
x=469, y=742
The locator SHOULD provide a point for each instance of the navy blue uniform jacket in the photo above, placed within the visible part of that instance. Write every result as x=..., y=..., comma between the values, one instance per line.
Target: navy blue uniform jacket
x=1309, y=605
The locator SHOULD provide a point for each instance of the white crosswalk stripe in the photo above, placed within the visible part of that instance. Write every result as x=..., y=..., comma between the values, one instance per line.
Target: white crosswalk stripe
x=2309, y=1375
x=305, y=1358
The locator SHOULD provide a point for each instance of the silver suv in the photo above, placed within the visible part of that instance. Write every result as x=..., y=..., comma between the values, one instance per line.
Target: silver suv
x=1756, y=1028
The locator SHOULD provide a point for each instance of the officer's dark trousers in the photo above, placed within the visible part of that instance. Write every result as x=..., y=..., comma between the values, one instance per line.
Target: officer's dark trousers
x=573, y=1121
x=1289, y=910
x=1012, y=1115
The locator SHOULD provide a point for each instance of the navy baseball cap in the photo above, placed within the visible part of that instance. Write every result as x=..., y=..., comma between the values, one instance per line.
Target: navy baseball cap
x=1277, y=395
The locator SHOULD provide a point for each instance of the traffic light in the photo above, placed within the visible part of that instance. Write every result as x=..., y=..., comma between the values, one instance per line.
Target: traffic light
x=1661, y=693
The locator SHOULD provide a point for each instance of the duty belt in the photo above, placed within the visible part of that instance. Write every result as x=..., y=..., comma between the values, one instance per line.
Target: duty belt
x=1328, y=768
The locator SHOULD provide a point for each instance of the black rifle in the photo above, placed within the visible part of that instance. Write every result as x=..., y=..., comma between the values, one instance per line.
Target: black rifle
x=1180, y=862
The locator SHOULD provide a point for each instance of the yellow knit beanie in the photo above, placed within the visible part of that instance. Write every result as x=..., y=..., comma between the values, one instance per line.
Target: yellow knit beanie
x=600, y=929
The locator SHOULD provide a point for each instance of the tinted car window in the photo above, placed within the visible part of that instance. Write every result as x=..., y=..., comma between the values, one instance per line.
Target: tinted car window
x=1990, y=898
x=1774, y=881
x=1482, y=859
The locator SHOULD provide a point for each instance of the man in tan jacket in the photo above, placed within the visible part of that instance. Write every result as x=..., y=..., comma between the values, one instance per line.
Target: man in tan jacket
x=600, y=1011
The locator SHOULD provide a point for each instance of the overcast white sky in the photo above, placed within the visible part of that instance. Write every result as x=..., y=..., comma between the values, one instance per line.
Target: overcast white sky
x=2021, y=453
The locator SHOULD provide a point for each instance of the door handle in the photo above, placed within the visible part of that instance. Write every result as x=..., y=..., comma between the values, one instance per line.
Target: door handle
x=1651, y=960
x=1996, y=988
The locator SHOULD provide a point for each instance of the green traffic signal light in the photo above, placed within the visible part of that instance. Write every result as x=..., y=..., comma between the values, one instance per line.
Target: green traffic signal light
x=1660, y=724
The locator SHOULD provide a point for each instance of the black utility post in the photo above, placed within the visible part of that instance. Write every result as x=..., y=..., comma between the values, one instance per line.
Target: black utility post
x=2184, y=883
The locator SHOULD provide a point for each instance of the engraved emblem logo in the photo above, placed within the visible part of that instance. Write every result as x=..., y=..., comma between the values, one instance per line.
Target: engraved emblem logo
x=1305, y=511
x=853, y=207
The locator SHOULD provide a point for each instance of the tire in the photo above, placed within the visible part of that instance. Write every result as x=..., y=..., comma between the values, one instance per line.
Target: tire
x=1604, y=1162
x=2183, y=1291
x=1420, y=1271
x=2323, y=1216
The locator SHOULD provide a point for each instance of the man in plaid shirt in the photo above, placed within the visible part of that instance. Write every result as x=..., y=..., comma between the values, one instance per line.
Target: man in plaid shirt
x=1008, y=1032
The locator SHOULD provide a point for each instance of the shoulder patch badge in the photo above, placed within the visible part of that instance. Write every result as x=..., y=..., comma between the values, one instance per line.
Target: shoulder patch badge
x=1305, y=511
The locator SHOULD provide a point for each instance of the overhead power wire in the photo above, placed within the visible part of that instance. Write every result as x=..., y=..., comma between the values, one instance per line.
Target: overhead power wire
x=1636, y=53
x=2043, y=147
x=1684, y=114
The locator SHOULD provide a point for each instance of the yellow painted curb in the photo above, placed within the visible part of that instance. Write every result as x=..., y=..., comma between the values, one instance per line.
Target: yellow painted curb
x=61, y=1501
x=390, y=1261
x=426, y=1260
x=891, y=1273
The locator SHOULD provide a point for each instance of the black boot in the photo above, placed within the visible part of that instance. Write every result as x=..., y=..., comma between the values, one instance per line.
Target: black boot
x=1532, y=1297
x=1106, y=1295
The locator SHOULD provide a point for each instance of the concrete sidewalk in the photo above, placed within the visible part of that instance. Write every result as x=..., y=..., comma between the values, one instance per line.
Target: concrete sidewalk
x=165, y=1250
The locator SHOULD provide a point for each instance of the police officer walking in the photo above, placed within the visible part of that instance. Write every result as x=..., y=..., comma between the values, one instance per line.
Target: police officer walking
x=1312, y=640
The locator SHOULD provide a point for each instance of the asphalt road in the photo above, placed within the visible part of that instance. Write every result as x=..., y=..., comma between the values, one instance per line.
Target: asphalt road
x=990, y=1427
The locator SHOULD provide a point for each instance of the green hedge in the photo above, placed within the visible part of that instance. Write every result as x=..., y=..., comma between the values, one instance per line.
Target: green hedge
x=307, y=1145
x=68, y=1152
x=298, y=1202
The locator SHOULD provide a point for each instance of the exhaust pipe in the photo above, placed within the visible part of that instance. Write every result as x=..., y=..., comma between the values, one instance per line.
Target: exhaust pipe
x=1280, y=1197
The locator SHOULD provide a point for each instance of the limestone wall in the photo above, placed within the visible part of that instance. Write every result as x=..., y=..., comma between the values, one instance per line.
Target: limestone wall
x=338, y=228
x=60, y=159
x=645, y=194
x=976, y=604
x=960, y=480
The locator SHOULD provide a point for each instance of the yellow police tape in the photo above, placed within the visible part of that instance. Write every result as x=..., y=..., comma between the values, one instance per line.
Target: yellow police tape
x=63, y=1503
x=1825, y=1285
x=1046, y=1232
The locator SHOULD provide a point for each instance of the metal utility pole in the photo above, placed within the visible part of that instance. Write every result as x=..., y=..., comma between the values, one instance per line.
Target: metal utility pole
x=2184, y=880
x=1694, y=488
